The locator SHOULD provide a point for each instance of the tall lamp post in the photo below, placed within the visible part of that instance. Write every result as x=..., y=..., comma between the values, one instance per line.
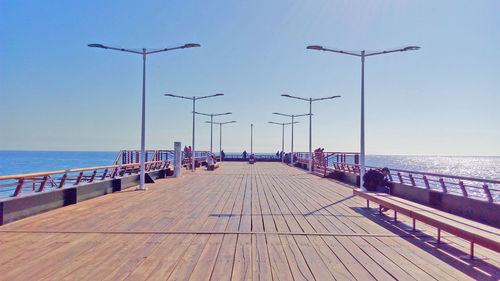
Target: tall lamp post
x=144, y=52
x=212, y=126
x=293, y=117
x=282, y=134
x=362, y=54
x=194, y=99
x=310, y=100
x=220, y=134
x=251, y=139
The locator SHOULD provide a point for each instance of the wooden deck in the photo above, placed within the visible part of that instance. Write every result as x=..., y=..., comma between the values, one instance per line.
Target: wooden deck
x=241, y=222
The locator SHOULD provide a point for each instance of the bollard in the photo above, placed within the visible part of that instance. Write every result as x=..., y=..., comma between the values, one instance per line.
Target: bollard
x=177, y=159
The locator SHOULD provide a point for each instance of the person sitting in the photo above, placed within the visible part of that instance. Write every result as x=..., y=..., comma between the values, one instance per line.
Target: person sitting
x=251, y=159
x=377, y=180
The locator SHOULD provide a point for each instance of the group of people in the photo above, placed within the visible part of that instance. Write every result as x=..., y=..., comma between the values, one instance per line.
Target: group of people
x=245, y=154
x=187, y=151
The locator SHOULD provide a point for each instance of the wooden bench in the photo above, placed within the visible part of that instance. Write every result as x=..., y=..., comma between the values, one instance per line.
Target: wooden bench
x=212, y=167
x=474, y=232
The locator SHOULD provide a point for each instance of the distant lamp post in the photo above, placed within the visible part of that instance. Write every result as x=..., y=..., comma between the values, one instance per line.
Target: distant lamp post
x=293, y=117
x=194, y=99
x=362, y=54
x=144, y=52
x=282, y=135
x=251, y=139
x=310, y=100
x=212, y=126
x=220, y=134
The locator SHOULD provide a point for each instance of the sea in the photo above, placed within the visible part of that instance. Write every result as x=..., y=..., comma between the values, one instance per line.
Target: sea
x=21, y=162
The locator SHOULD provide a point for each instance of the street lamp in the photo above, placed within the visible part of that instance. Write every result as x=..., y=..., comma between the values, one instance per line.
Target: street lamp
x=194, y=99
x=144, y=52
x=220, y=134
x=362, y=54
x=211, y=126
x=293, y=117
x=310, y=100
x=282, y=134
x=251, y=139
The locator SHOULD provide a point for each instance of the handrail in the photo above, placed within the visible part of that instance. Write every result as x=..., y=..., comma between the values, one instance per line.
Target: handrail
x=43, y=181
x=40, y=174
x=478, y=188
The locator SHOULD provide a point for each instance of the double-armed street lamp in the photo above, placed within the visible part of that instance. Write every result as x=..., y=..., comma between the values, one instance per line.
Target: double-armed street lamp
x=220, y=134
x=362, y=54
x=293, y=117
x=194, y=99
x=310, y=100
x=212, y=125
x=282, y=134
x=143, y=52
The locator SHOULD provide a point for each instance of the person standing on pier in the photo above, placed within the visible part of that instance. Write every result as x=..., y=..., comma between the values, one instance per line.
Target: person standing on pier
x=222, y=155
x=245, y=154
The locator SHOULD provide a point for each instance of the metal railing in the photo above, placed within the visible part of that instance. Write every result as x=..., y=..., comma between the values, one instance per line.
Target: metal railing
x=15, y=185
x=257, y=156
x=133, y=156
x=476, y=188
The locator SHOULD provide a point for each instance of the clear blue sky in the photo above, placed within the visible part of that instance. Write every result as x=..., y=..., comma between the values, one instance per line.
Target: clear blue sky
x=58, y=94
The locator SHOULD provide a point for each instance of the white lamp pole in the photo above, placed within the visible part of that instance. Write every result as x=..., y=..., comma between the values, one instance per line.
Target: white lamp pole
x=220, y=134
x=293, y=117
x=194, y=99
x=143, y=52
x=362, y=54
x=251, y=139
x=310, y=100
x=282, y=134
x=211, y=126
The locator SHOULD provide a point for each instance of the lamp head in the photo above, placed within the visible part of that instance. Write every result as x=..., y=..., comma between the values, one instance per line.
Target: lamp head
x=96, y=45
x=315, y=47
x=191, y=45
x=411, y=48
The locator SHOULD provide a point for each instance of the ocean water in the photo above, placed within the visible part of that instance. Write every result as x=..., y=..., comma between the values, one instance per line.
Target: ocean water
x=20, y=162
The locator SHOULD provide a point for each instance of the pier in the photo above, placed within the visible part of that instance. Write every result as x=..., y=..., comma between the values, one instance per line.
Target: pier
x=266, y=221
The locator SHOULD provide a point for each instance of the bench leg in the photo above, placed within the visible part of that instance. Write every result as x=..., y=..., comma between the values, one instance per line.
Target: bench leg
x=380, y=209
x=368, y=204
x=439, y=236
x=395, y=216
x=413, y=225
x=471, y=255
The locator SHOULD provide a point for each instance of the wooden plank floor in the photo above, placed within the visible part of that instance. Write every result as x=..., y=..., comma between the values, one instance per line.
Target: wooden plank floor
x=241, y=222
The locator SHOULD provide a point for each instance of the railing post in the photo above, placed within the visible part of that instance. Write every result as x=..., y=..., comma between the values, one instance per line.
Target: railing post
x=104, y=174
x=412, y=180
x=462, y=187
x=488, y=193
x=19, y=187
x=63, y=181
x=443, y=185
x=77, y=182
x=93, y=176
x=426, y=181
x=400, y=177
x=42, y=185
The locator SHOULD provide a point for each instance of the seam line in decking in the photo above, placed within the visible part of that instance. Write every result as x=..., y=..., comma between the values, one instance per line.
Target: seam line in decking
x=221, y=232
